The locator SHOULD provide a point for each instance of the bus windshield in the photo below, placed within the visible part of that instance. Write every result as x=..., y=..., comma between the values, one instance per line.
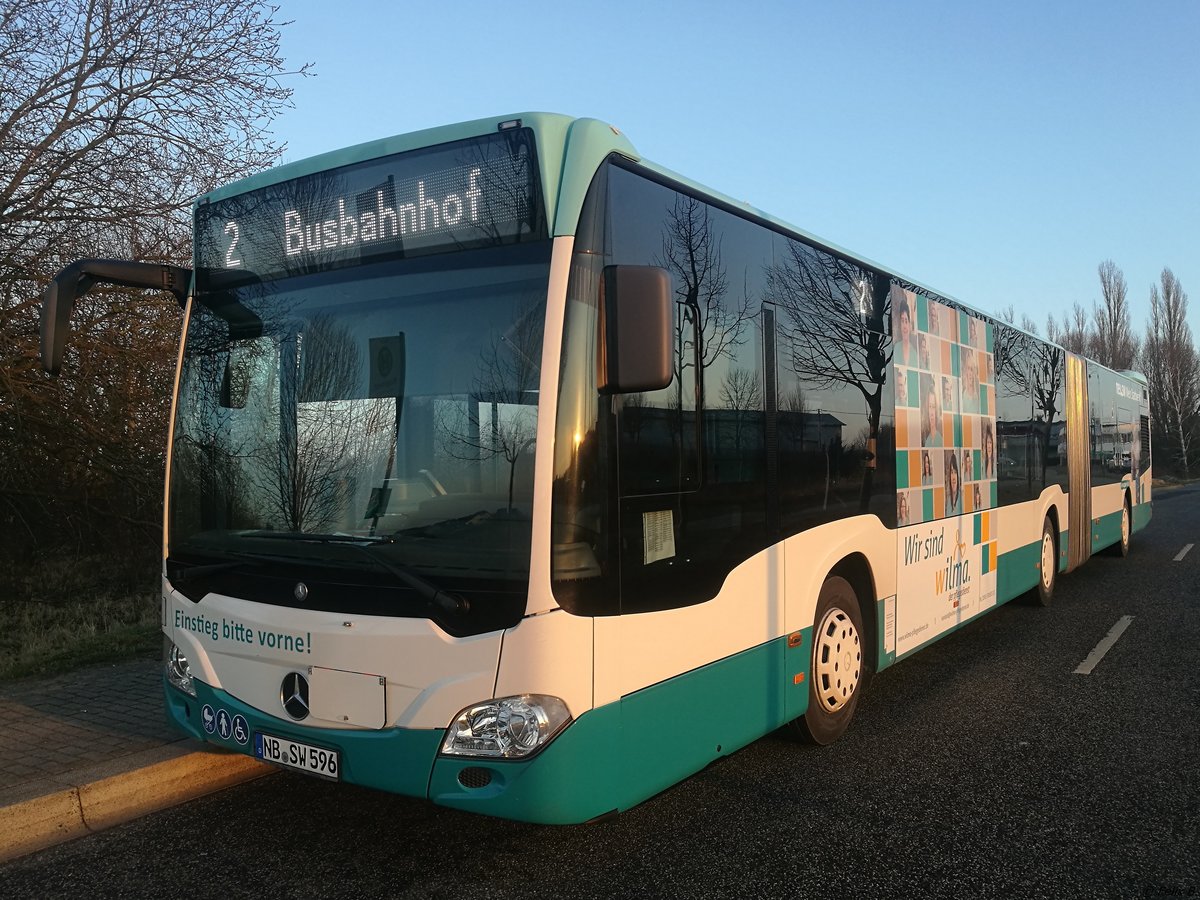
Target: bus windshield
x=366, y=420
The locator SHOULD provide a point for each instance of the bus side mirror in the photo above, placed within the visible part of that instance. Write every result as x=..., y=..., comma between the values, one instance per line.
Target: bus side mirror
x=636, y=325
x=76, y=279
x=57, y=304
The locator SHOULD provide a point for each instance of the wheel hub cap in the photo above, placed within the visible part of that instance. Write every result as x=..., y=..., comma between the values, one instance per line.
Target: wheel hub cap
x=838, y=660
x=1047, y=560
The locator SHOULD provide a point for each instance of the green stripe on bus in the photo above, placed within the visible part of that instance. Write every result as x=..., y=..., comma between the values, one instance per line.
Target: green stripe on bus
x=614, y=757
x=1019, y=570
x=391, y=759
x=1106, y=531
x=1141, y=515
x=610, y=758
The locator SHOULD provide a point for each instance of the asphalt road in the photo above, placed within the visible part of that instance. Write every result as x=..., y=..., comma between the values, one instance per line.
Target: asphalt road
x=981, y=767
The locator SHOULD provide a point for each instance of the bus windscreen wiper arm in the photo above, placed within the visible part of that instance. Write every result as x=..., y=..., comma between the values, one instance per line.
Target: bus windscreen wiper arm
x=444, y=600
x=193, y=572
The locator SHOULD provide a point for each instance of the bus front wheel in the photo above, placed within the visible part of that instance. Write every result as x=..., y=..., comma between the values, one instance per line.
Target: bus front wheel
x=836, y=675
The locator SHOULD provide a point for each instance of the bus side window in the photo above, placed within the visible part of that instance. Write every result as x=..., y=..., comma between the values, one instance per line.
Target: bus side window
x=1016, y=386
x=657, y=430
x=690, y=460
x=836, y=411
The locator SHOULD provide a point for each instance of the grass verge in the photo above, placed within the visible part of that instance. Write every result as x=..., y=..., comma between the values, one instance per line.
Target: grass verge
x=68, y=619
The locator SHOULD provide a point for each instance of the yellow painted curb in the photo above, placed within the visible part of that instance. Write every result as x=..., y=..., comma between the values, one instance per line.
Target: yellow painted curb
x=120, y=798
x=45, y=821
x=40, y=823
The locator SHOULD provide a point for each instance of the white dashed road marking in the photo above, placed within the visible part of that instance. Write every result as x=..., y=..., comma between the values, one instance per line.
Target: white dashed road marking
x=1097, y=654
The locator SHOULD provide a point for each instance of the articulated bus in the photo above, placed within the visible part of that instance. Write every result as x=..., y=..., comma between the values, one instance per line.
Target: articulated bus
x=513, y=471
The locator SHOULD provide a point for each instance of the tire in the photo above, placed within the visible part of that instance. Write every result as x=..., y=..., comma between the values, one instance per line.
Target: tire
x=838, y=673
x=1121, y=547
x=1049, y=564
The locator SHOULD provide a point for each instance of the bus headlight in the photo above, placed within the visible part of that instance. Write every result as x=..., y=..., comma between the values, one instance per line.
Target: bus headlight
x=507, y=728
x=178, y=672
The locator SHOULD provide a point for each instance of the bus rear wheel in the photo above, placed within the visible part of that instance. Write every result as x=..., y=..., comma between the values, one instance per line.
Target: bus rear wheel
x=838, y=668
x=1121, y=548
x=1049, y=564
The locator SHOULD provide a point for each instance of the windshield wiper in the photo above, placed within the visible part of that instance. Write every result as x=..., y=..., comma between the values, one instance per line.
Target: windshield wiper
x=193, y=572
x=444, y=600
x=318, y=538
x=475, y=518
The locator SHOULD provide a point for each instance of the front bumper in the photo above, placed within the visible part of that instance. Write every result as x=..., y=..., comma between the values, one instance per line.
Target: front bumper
x=398, y=760
x=570, y=781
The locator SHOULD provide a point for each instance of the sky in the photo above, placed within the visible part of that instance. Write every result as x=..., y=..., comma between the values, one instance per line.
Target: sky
x=996, y=152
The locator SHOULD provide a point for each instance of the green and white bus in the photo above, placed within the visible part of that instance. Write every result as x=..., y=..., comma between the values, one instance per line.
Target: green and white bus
x=511, y=470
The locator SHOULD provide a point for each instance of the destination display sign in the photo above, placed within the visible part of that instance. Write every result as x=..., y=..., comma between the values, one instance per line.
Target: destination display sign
x=473, y=193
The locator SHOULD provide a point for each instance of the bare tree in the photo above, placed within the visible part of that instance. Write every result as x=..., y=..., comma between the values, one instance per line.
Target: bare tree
x=741, y=394
x=1048, y=366
x=506, y=382
x=832, y=320
x=633, y=417
x=1027, y=368
x=1073, y=333
x=692, y=254
x=1172, y=366
x=711, y=321
x=113, y=116
x=326, y=432
x=1114, y=342
x=1008, y=345
x=116, y=114
x=1009, y=314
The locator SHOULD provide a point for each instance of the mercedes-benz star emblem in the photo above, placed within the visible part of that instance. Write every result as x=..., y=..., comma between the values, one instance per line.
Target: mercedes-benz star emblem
x=300, y=592
x=293, y=693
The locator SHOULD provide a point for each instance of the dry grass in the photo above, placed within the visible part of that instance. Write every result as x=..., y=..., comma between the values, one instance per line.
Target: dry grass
x=64, y=614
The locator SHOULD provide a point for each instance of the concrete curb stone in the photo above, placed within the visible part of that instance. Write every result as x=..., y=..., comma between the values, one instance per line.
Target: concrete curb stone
x=48, y=812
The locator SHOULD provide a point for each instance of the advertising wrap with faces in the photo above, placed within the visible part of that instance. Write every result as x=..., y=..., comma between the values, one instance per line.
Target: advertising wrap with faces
x=945, y=466
x=945, y=410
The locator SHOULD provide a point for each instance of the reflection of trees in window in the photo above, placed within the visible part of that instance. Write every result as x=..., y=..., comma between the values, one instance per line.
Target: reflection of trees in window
x=660, y=430
x=1049, y=365
x=633, y=418
x=507, y=160
x=505, y=385
x=1029, y=378
x=792, y=409
x=710, y=328
x=221, y=373
x=272, y=425
x=741, y=394
x=263, y=252
x=691, y=252
x=832, y=329
x=325, y=434
x=1012, y=351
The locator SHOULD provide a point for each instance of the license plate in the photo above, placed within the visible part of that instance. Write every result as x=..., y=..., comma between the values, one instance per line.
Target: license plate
x=294, y=755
